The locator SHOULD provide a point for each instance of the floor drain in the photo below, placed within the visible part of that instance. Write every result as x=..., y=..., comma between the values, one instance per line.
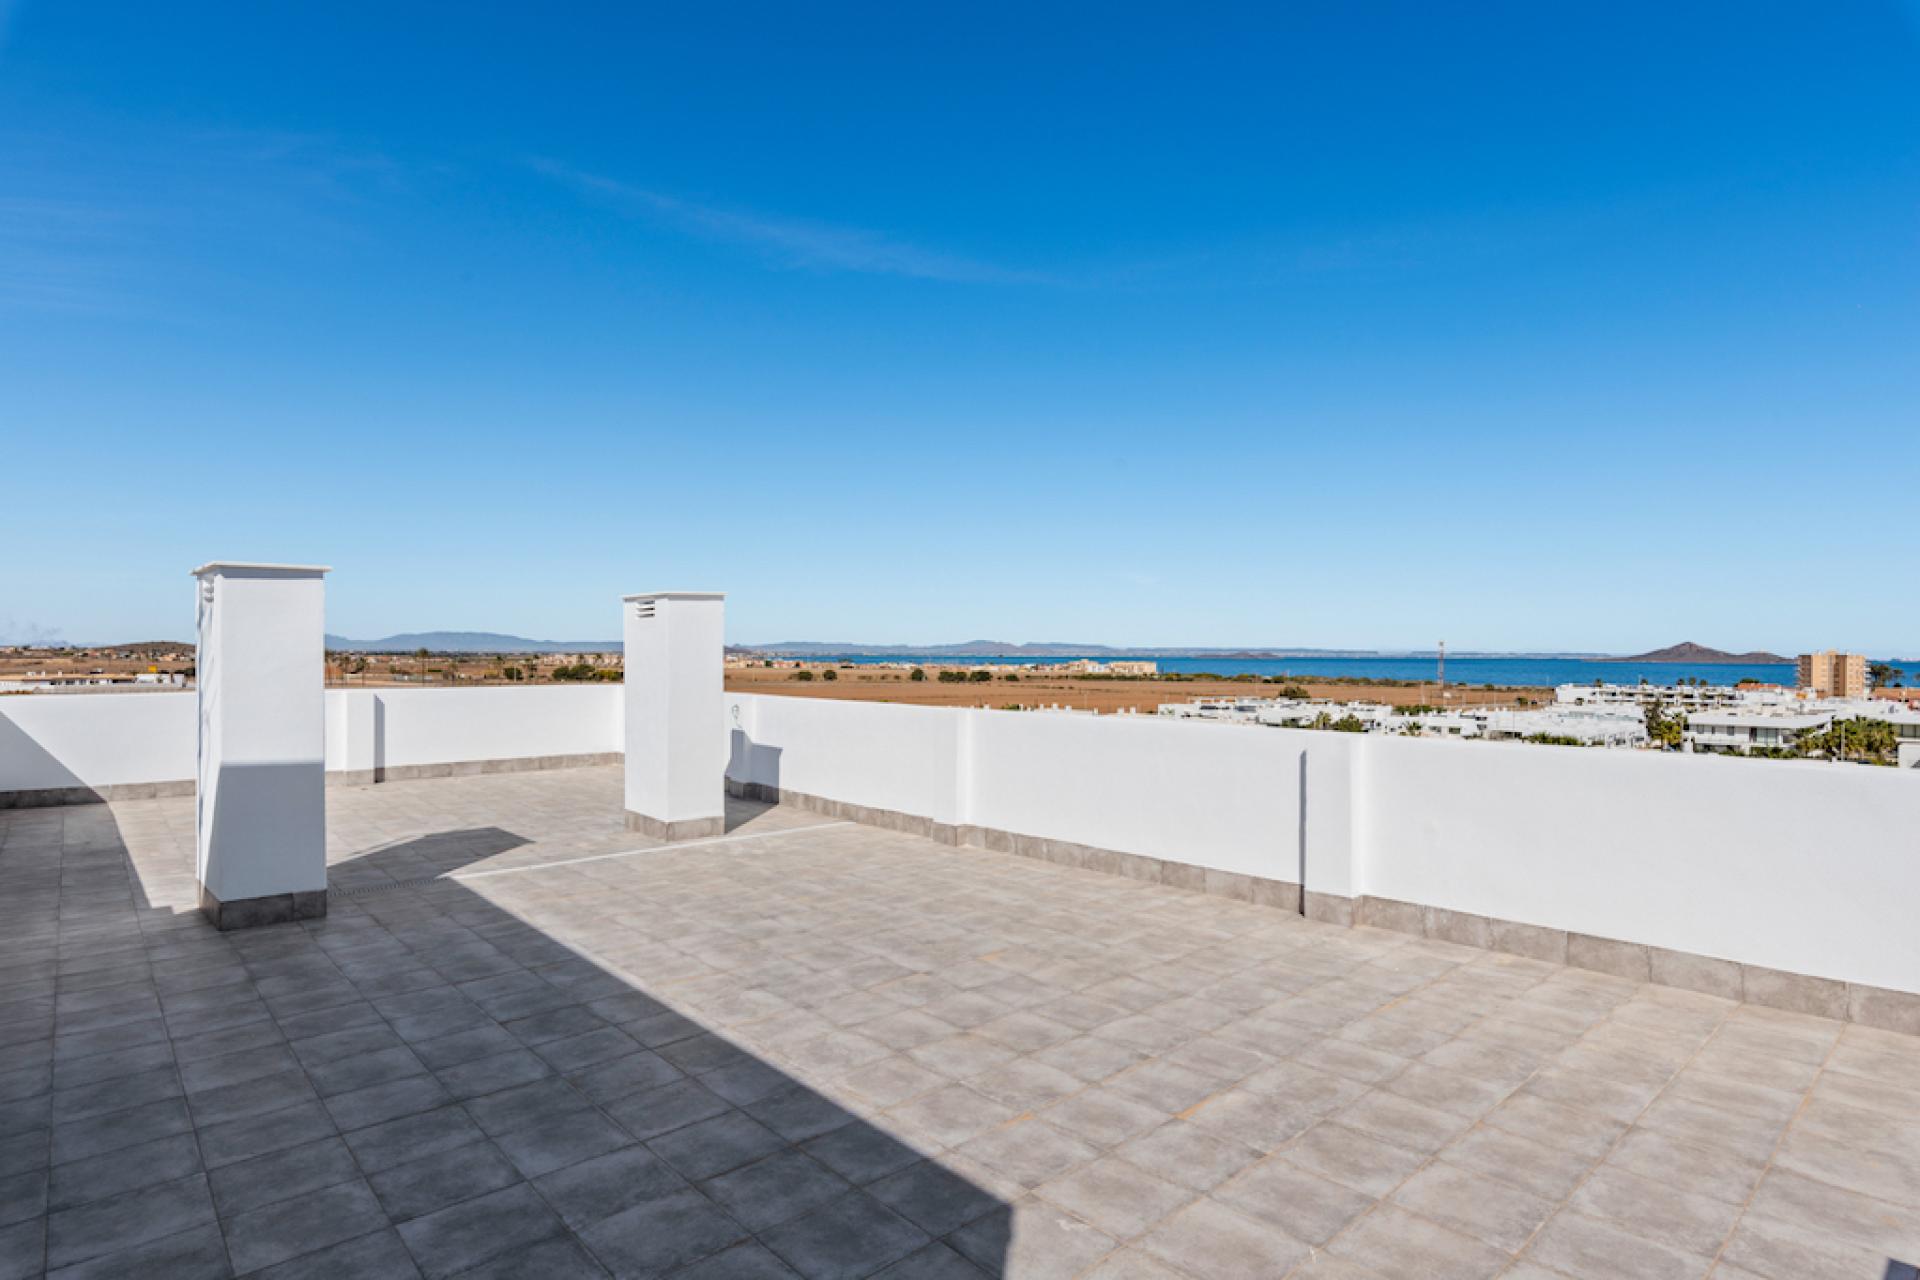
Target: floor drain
x=362, y=890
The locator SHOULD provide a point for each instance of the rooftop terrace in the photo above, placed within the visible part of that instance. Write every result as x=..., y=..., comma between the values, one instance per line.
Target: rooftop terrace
x=528, y=1042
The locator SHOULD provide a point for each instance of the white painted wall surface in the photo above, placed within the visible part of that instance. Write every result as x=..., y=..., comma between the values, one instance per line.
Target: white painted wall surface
x=384, y=728
x=51, y=740
x=1215, y=795
x=1809, y=867
x=1806, y=867
x=871, y=753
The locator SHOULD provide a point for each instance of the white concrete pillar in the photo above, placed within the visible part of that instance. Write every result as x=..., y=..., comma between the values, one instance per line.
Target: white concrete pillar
x=261, y=822
x=676, y=727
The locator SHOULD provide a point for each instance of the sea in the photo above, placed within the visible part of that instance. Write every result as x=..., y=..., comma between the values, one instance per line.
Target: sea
x=1501, y=671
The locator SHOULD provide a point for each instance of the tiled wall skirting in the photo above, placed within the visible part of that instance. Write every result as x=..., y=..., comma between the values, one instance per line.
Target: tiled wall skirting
x=337, y=778
x=468, y=768
x=46, y=796
x=1824, y=997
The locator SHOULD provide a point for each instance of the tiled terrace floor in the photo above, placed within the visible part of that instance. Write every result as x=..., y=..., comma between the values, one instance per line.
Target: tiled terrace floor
x=837, y=1051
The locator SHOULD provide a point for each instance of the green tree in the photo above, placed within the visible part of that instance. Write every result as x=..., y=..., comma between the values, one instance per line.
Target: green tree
x=1664, y=731
x=916, y=675
x=803, y=675
x=829, y=674
x=981, y=676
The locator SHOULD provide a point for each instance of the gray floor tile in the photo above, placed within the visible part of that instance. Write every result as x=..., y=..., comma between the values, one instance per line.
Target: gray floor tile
x=771, y=1191
x=545, y=1146
x=715, y=1146
x=237, y=1140
x=193, y=1254
x=447, y=1177
x=1304, y=1205
x=860, y=1152
x=746, y=1261
x=558, y=1258
x=290, y=1228
x=541, y=1102
x=383, y=1146
x=23, y=1249
x=852, y=1236
x=888, y=974
x=933, y=1198
x=130, y=1218
x=378, y=1256
x=377, y=1104
x=363, y=1070
x=674, y=1106
x=584, y=1193
x=99, y=1177
x=1208, y=1239
x=464, y=1235
x=1119, y=1198
x=281, y=1175
x=657, y=1235
x=491, y=1074
x=98, y=1135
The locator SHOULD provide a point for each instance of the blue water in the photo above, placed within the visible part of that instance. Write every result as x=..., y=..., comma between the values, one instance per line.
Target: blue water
x=1468, y=671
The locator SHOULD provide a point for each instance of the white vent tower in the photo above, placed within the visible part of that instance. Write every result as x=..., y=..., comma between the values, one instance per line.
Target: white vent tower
x=676, y=732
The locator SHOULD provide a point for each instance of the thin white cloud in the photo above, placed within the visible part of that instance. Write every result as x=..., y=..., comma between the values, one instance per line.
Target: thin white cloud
x=54, y=255
x=792, y=242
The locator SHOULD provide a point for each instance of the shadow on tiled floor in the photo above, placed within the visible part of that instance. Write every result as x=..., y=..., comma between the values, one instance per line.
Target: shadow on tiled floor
x=422, y=1083
x=827, y=1049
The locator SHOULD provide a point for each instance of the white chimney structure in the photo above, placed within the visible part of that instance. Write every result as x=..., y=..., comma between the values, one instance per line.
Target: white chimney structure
x=260, y=821
x=676, y=733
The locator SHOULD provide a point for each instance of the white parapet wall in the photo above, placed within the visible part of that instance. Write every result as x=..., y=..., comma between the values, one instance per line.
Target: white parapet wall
x=66, y=742
x=402, y=732
x=1729, y=875
x=1218, y=797
x=1735, y=876
x=56, y=747
x=1801, y=866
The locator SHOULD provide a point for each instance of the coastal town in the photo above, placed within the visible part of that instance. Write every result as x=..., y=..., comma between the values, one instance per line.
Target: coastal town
x=1841, y=706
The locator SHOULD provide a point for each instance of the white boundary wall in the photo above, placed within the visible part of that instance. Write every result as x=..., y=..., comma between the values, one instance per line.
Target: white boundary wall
x=1222, y=796
x=1797, y=866
x=55, y=740
x=393, y=728
x=1804, y=867
x=52, y=741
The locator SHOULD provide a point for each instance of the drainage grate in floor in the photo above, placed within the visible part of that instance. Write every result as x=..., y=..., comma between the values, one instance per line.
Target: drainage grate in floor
x=362, y=890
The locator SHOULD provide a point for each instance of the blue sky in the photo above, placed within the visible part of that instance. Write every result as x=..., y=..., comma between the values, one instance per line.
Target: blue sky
x=1526, y=326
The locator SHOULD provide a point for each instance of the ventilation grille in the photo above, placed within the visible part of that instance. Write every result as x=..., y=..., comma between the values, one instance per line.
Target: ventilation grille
x=643, y=608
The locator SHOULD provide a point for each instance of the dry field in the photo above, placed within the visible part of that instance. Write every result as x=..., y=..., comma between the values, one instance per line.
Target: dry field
x=1143, y=695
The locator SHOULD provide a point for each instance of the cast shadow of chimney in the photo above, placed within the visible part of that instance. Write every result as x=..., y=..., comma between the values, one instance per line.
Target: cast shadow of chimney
x=530, y=1108
x=753, y=773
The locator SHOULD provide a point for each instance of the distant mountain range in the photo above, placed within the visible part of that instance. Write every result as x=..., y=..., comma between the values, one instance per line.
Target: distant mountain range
x=500, y=642
x=1688, y=651
x=1008, y=649
x=470, y=642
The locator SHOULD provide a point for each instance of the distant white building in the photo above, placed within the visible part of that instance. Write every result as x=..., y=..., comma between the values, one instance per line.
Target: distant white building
x=1680, y=697
x=1741, y=732
x=1590, y=726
